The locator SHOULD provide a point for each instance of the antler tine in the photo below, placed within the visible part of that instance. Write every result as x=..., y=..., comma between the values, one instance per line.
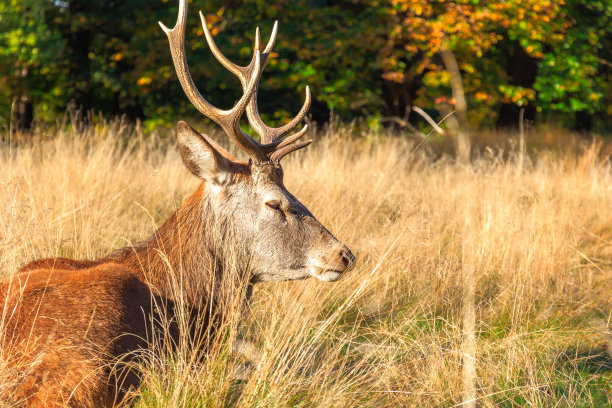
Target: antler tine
x=229, y=120
x=293, y=137
x=229, y=65
x=287, y=146
x=272, y=146
x=269, y=136
x=272, y=39
x=280, y=153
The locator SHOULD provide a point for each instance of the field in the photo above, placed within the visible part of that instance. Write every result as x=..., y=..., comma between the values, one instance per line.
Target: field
x=486, y=283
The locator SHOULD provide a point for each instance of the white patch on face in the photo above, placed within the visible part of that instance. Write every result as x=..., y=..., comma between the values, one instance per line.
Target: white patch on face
x=328, y=276
x=324, y=275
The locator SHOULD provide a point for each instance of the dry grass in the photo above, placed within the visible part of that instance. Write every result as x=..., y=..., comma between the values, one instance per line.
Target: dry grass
x=530, y=250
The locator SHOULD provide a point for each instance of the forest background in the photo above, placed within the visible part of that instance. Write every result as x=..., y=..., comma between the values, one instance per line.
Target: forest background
x=370, y=59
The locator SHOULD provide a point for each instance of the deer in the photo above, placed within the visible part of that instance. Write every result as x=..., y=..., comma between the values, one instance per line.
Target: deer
x=67, y=320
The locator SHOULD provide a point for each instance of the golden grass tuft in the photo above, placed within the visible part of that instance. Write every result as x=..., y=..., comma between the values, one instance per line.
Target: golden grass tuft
x=533, y=245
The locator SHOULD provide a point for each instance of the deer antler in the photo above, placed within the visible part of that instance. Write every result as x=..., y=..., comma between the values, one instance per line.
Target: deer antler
x=272, y=147
x=268, y=134
x=229, y=120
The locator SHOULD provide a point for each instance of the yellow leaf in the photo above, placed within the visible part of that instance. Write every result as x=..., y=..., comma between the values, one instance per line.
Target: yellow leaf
x=144, y=81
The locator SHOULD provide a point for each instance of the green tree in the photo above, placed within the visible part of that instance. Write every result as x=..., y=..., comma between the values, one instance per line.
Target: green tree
x=29, y=68
x=575, y=70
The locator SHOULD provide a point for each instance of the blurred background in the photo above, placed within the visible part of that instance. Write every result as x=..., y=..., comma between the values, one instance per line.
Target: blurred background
x=367, y=59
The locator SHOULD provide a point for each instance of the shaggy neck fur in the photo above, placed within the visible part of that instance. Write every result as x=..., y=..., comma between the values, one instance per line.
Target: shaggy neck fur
x=187, y=256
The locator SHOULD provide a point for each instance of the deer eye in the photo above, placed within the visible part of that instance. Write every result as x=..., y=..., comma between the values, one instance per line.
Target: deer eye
x=274, y=205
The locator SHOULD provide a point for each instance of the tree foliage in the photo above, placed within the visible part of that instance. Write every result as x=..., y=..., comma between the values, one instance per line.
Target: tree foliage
x=28, y=54
x=361, y=57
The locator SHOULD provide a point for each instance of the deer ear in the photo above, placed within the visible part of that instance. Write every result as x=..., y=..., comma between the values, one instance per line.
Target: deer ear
x=204, y=158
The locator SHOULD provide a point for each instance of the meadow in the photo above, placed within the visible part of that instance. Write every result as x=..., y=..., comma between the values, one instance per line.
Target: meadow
x=487, y=283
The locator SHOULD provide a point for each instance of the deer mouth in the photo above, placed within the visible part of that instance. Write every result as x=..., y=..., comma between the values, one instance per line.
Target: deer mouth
x=330, y=269
x=327, y=275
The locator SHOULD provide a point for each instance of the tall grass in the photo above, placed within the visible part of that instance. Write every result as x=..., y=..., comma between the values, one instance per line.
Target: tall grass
x=493, y=271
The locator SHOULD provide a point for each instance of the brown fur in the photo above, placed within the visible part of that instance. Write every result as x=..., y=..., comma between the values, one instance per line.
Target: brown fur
x=67, y=320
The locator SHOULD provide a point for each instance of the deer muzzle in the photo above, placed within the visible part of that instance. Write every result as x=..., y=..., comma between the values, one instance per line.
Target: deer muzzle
x=330, y=267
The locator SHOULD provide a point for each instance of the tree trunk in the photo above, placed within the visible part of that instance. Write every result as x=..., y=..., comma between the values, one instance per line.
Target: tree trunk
x=398, y=98
x=23, y=114
x=78, y=45
x=458, y=121
x=82, y=94
x=509, y=114
x=583, y=121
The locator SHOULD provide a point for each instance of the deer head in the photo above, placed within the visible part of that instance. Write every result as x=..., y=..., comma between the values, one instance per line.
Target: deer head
x=284, y=240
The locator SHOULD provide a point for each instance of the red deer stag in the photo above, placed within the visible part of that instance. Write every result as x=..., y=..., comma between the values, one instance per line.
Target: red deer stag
x=66, y=320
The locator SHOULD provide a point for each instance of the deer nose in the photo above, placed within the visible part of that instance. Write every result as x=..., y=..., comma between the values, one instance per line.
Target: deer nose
x=347, y=258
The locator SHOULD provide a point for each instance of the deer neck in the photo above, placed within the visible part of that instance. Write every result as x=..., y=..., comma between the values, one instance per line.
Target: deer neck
x=185, y=256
